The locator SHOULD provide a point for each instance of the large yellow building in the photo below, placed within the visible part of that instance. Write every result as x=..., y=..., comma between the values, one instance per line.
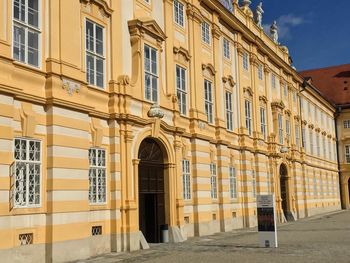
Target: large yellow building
x=120, y=117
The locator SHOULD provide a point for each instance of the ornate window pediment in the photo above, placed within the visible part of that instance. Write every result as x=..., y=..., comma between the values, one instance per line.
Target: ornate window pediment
x=263, y=99
x=102, y=4
x=229, y=79
x=209, y=67
x=180, y=51
x=141, y=26
x=278, y=105
x=248, y=91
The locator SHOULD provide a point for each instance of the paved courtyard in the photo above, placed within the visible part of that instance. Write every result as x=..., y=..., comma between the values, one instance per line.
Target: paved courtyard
x=323, y=238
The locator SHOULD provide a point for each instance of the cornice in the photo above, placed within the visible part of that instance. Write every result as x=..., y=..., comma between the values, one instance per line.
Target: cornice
x=138, y=27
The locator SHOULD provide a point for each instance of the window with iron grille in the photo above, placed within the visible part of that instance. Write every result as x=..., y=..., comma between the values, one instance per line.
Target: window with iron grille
x=260, y=72
x=179, y=13
x=151, y=73
x=26, y=31
x=206, y=33
x=97, y=176
x=233, y=183
x=181, y=89
x=248, y=116
x=227, y=53
x=25, y=239
x=208, y=99
x=186, y=179
x=347, y=153
x=95, y=54
x=263, y=122
x=96, y=230
x=213, y=182
x=280, y=129
x=229, y=110
x=26, y=173
x=347, y=124
x=245, y=61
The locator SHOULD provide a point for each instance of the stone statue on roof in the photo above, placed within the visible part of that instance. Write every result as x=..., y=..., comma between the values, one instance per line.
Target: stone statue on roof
x=258, y=15
x=274, y=32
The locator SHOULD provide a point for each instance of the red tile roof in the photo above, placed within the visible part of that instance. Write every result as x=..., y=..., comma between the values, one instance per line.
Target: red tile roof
x=333, y=82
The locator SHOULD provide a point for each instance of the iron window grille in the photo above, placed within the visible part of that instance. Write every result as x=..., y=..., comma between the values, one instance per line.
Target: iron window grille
x=97, y=176
x=26, y=31
x=95, y=54
x=26, y=174
x=96, y=231
x=151, y=73
x=25, y=239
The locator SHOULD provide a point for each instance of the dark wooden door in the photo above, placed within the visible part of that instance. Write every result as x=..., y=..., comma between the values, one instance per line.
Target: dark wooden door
x=284, y=194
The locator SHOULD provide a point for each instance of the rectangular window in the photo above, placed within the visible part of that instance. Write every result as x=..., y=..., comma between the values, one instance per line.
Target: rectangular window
x=186, y=179
x=26, y=31
x=181, y=89
x=226, y=48
x=229, y=111
x=95, y=58
x=97, y=176
x=254, y=183
x=318, y=144
x=285, y=89
x=347, y=153
x=311, y=142
x=213, y=182
x=288, y=130
x=347, y=124
x=208, y=99
x=233, y=183
x=273, y=81
x=248, y=116
x=245, y=61
x=179, y=13
x=303, y=137
x=206, y=33
x=294, y=96
x=26, y=173
x=260, y=72
x=324, y=147
x=280, y=129
x=329, y=150
x=297, y=137
x=151, y=74
x=263, y=122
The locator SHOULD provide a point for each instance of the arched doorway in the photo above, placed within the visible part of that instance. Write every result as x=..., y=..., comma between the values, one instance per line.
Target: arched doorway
x=284, y=189
x=151, y=189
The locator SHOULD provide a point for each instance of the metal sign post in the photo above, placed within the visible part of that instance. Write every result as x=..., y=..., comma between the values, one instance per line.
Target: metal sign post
x=267, y=221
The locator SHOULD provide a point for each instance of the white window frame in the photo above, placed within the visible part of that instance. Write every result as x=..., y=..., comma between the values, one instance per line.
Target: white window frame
x=179, y=17
x=27, y=28
x=245, y=61
x=280, y=128
x=248, y=116
x=233, y=182
x=226, y=48
x=273, y=81
x=346, y=124
x=96, y=56
x=181, y=88
x=347, y=153
x=213, y=181
x=208, y=101
x=206, y=32
x=229, y=110
x=260, y=72
x=263, y=125
x=186, y=179
x=285, y=89
x=99, y=165
x=25, y=178
x=151, y=93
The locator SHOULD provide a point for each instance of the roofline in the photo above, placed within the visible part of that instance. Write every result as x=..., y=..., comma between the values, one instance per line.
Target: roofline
x=329, y=67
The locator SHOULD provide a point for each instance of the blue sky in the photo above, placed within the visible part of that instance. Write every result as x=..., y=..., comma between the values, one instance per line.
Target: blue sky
x=317, y=32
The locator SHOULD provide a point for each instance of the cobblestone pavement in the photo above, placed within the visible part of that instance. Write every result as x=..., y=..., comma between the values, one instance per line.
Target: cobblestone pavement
x=323, y=238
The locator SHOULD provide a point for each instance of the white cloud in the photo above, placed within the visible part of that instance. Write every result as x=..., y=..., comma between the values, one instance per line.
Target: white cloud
x=285, y=23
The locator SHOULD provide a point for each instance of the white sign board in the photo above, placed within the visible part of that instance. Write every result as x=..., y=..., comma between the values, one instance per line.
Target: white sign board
x=267, y=220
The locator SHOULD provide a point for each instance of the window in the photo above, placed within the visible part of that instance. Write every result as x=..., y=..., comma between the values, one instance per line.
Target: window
x=288, y=130
x=263, y=121
x=347, y=124
x=254, y=183
x=318, y=144
x=347, y=153
x=321, y=185
x=311, y=142
x=273, y=81
x=229, y=111
x=297, y=137
x=213, y=183
x=26, y=31
x=95, y=58
x=181, y=89
x=294, y=96
x=179, y=13
x=226, y=48
x=151, y=74
x=303, y=138
x=206, y=33
x=280, y=129
x=285, y=89
x=233, y=183
x=329, y=150
x=208, y=98
x=248, y=116
x=324, y=147
x=26, y=173
x=97, y=176
x=245, y=61
x=186, y=179
x=260, y=72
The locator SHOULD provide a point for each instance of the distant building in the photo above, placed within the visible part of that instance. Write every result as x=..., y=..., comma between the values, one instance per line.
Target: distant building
x=120, y=118
x=334, y=83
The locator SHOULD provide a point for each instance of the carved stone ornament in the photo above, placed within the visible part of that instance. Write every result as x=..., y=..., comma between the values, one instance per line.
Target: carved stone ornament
x=103, y=6
x=155, y=112
x=70, y=86
x=258, y=15
x=274, y=32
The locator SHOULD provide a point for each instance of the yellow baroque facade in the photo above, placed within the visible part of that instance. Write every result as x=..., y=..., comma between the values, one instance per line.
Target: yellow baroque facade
x=121, y=118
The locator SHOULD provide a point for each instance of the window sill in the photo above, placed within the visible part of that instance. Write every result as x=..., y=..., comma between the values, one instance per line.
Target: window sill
x=28, y=67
